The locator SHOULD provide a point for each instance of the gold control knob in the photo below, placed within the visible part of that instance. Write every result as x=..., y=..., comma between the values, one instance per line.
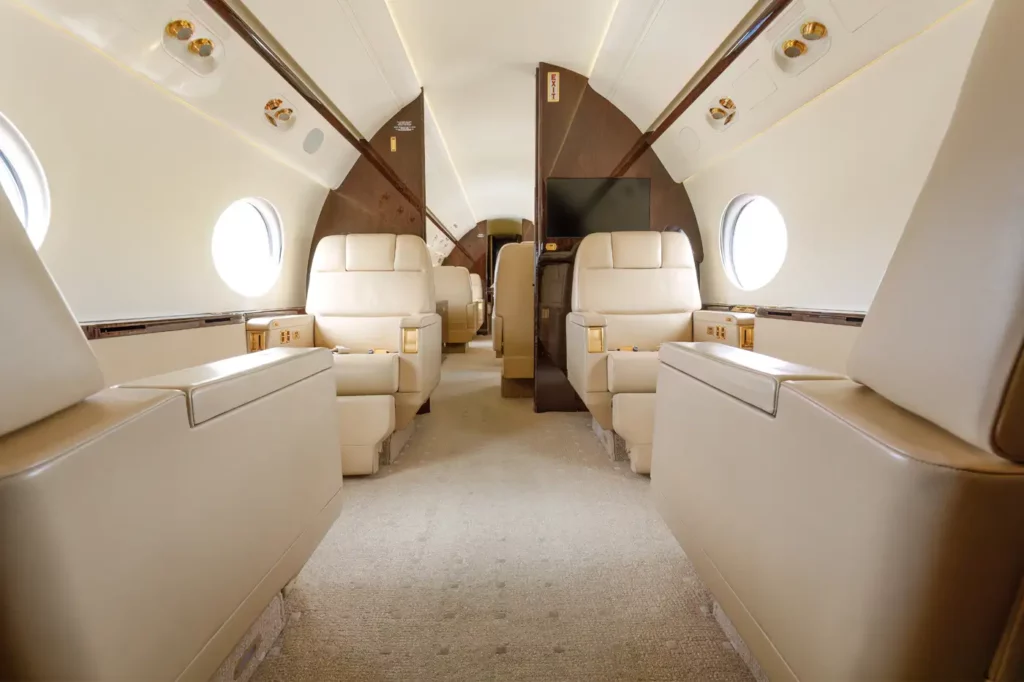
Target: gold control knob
x=794, y=48
x=813, y=30
x=182, y=29
x=201, y=46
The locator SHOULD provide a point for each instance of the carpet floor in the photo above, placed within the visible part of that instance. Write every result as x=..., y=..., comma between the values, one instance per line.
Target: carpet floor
x=503, y=545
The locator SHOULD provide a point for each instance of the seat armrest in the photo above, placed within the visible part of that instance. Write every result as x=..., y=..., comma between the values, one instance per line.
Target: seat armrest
x=295, y=331
x=216, y=388
x=587, y=319
x=420, y=321
x=746, y=376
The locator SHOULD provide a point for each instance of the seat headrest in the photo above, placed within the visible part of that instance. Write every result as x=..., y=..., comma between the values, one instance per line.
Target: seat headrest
x=370, y=253
x=370, y=275
x=945, y=333
x=476, y=284
x=46, y=364
x=452, y=284
x=635, y=273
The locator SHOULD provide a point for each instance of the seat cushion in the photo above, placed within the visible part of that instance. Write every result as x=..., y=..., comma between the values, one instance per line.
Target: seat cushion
x=747, y=376
x=630, y=372
x=366, y=374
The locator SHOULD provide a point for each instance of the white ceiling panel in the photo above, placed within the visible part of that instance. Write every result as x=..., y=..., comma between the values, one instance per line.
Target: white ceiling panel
x=765, y=92
x=476, y=62
x=654, y=47
x=445, y=195
x=351, y=50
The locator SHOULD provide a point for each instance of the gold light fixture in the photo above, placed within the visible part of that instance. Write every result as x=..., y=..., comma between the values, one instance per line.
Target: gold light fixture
x=813, y=30
x=718, y=114
x=182, y=29
x=794, y=48
x=276, y=115
x=730, y=118
x=727, y=103
x=284, y=115
x=201, y=46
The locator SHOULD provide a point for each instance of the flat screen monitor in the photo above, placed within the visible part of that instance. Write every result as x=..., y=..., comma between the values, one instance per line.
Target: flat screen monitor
x=577, y=207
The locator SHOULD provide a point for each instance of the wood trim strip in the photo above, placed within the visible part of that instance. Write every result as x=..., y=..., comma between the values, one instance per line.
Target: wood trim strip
x=752, y=26
x=156, y=325
x=247, y=28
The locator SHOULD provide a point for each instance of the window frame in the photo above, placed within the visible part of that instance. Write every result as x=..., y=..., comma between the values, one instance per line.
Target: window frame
x=274, y=227
x=727, y=233
x=22, y=164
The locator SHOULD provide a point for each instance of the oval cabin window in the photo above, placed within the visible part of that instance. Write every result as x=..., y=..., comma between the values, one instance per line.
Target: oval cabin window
x=754, y=241
x=23, y=181
x=247, y=246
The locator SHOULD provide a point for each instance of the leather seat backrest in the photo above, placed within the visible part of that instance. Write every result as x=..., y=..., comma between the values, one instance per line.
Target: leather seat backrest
x=945, y=333
x=452, y=284
x=46, y=364
x=476, y=286
x=361, y=285
x=644, y=283
x=513, y=297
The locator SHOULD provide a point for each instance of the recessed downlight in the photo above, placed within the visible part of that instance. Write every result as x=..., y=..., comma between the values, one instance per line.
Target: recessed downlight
x=813, y=30
x=718, y=114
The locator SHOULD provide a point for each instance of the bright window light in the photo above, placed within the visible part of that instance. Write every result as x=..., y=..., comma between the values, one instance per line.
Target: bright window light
x=754, y=241
x=247, y=246
x=23, y=181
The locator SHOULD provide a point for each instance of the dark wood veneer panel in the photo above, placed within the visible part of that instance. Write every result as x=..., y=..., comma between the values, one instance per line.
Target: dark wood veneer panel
x=366, y=202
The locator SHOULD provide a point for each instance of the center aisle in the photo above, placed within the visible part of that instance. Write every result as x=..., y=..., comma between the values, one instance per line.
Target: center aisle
x=503, y=545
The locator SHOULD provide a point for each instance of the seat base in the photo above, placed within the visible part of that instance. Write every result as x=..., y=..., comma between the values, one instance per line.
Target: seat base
x=516, y=388
x=395, y=443
x=454, y=348
x=633, y=419
x=612, y=442
x=364, y=421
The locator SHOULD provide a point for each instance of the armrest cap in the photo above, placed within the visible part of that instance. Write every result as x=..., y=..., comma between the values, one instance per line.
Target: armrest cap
x=588, y=319
x=264, y=323
x=219, y=387
x=420, y=321
x=745, y=375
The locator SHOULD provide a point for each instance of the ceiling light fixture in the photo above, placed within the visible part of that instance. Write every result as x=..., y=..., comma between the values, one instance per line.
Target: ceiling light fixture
x=727, y=103
x=182, y=29
x=718, y=114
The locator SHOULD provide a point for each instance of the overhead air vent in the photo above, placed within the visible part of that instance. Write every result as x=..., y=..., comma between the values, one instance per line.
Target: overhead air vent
x=193, y=44
x=801, y=45
x=721, y=112
x=281, y=114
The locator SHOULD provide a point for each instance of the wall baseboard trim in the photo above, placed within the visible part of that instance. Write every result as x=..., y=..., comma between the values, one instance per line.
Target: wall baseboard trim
x=839, y=317
x=155, y=325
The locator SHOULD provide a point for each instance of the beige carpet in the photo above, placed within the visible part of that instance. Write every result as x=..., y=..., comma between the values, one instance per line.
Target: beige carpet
x=503, y=545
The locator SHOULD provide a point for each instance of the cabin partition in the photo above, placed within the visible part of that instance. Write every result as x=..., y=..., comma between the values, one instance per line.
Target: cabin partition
x=580, y=134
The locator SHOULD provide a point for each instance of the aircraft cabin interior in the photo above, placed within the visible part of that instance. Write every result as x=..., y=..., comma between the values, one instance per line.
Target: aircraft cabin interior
x=539, y=341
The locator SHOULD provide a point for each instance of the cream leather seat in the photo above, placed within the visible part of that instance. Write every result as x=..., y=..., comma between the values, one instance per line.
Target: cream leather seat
x=476, y=285
x=144, y=528
x=872, y=528
x=512, y=322
x=630, y=290
x=372, y=292
x=452, y=284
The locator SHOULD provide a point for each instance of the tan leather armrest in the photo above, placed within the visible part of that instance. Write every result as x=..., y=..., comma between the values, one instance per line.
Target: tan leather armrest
x=420, y=321
x=747, y=376
x=219, y=387
x=587, y=319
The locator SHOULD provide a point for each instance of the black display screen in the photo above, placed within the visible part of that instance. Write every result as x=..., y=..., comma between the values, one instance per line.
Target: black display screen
x=577, y=207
